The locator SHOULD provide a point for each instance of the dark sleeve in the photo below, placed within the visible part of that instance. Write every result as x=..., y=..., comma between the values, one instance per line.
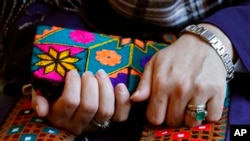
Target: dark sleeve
x=235, y=23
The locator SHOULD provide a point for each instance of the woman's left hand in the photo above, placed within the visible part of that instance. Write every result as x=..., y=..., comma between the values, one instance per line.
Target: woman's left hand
x=189, y=71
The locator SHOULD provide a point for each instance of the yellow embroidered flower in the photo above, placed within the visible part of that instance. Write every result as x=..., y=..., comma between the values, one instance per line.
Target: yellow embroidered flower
x=57, y=61
x=108, y=57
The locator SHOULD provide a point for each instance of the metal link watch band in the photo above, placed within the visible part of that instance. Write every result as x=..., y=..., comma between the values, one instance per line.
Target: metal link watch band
x=210, y=38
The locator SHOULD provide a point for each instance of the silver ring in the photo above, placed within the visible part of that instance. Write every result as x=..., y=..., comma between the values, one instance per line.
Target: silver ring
x=196, y=107
x=199, y=115
x=103, y=125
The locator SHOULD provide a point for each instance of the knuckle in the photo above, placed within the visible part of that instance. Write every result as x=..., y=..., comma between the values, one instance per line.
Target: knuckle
x=201, y=87
x=89, y=109
x=71, y=103
x=214, y=87
x=161, y=86
x=182, y=88
x=214, y=118
x=154, y=120
x=105, y=114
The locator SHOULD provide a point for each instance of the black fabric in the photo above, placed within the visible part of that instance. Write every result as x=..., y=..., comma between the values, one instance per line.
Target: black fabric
x=7, y=103
x=103, y=18
x=18, y=43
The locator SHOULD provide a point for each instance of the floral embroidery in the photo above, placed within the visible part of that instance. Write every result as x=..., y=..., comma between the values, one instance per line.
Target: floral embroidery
x=57, y=61
x=80, y=36
x=108, y=57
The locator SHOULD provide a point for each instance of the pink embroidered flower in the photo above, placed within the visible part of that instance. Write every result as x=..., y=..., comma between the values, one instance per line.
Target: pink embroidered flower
x=80, y=36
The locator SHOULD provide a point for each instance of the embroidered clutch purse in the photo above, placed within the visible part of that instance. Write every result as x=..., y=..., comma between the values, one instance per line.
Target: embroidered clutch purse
x=58, y=50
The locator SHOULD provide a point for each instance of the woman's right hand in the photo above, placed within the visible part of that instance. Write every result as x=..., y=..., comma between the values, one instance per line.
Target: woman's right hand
x=85, y=99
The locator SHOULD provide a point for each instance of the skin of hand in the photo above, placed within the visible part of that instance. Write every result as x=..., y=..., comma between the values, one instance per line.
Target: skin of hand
x=189, y=71
x=84, y=99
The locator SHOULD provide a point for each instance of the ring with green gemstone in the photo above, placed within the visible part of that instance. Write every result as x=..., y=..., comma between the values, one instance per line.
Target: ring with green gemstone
x=196, y=107
x=199, y=115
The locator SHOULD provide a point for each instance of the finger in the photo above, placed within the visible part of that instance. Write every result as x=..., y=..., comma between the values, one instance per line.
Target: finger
x=123, y=104
x=158, y=102
x=213, y=98
x=40, y=104
x=106, y=97
x=215, y=108
x=175, y=112
x=177, y=102
x=63, y=109
x=192, y=120
x=89, y=102
x=144, y=87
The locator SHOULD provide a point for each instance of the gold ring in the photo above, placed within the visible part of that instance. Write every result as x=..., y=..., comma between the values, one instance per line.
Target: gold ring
x=196, y=107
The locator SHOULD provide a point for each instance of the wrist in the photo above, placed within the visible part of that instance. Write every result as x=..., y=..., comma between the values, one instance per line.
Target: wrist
x=223, y=38
x=210, y=37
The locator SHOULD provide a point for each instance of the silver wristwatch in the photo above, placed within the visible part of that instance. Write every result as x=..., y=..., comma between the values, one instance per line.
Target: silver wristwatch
x=210, y=38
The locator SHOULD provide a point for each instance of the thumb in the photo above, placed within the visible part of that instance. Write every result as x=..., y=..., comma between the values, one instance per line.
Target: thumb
x=40, y=104
x=143, y=90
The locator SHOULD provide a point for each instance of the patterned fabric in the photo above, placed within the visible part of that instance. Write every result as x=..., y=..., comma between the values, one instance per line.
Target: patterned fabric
x=58, y=50
x=205, y=132
x=23, y=124
x=168, y=13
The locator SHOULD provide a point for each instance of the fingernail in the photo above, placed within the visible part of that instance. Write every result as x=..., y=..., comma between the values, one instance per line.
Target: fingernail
x=72, y=72
x=88, y=73
x=72, y=75
x=101, y=73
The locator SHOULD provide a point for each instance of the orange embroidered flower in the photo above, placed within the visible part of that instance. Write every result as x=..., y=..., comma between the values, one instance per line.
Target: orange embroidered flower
x=108, y=57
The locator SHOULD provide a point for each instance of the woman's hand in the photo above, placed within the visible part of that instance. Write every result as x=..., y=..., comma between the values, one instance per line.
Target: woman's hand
x=85, y=99
x=189, y=71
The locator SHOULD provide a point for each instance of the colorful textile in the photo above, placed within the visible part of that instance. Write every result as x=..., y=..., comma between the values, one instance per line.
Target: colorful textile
x=58, y=50
x=205, y=132
x=23, y=124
